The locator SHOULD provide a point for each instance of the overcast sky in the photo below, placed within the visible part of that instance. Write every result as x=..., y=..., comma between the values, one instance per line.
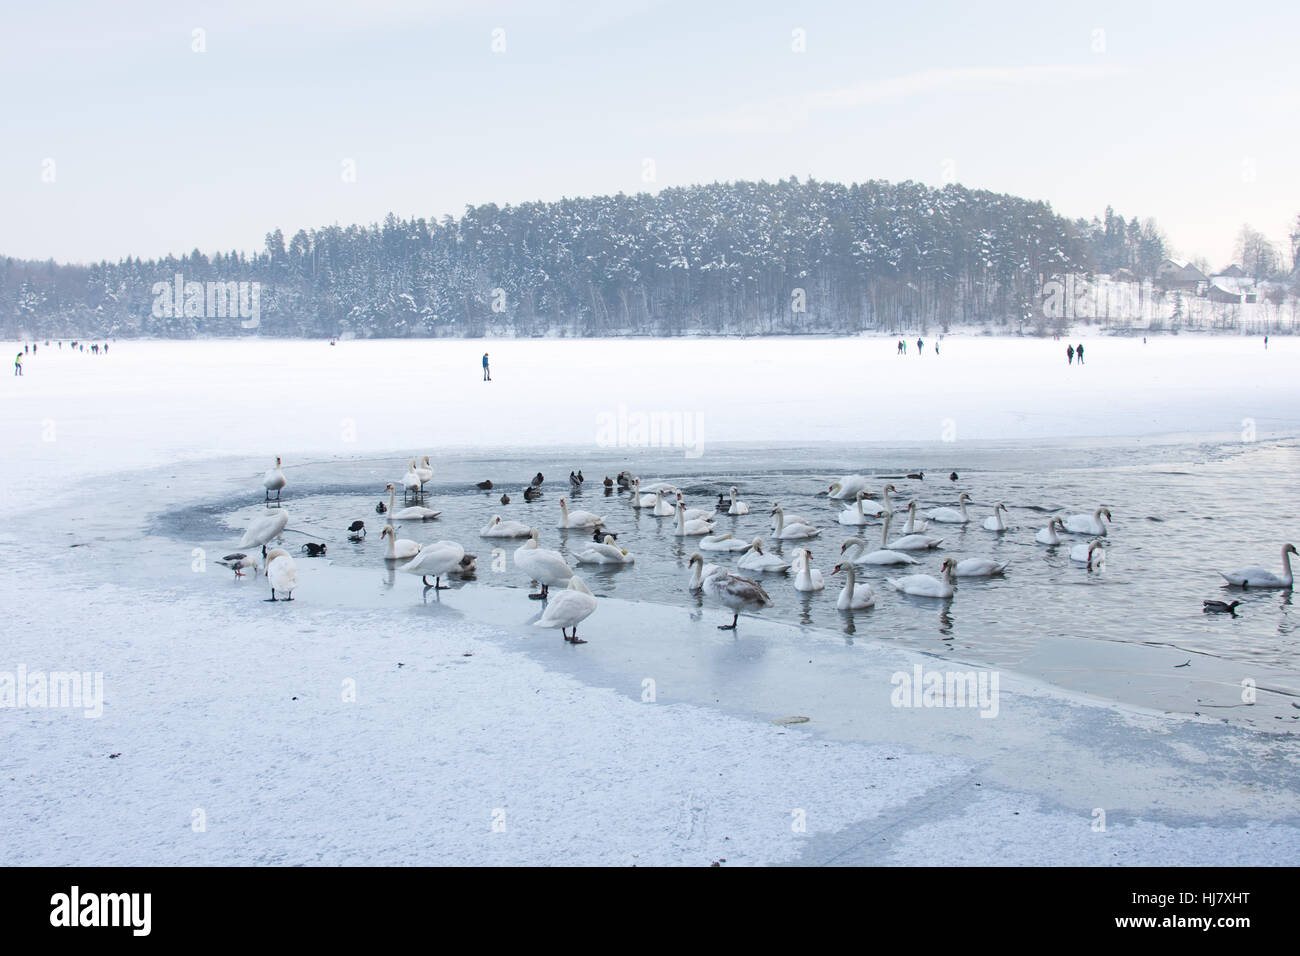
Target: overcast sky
x=1186, y=113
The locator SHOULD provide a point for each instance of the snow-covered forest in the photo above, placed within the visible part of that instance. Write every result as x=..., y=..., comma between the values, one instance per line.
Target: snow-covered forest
x=729, y=258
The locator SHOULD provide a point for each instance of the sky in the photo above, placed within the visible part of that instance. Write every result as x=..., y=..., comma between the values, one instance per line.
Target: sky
x=171, y=126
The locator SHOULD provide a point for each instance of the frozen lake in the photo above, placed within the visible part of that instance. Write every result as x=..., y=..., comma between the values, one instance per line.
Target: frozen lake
x=121, y=466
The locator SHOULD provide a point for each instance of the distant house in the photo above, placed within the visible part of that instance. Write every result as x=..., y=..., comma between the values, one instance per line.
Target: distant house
x=1217, y=293
x=1235, y=282
x=1233, y=272
x=1176, y=274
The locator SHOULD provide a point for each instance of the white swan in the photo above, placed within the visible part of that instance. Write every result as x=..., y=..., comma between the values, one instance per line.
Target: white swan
x=806, y=578
x=265, y=529
x=640, y=500
x=925, y=585
x=699, y=571
x=756, y=560
x=882, y=556
x=1048, y=534
x=793, y=531
x=496, y=528
x=662, y=509
x=1084, y=553
x=731, y=590
x=723, y=542
x=853, y=597
x=996, y=523
x=789, y=518
x=411, y=480
x=239, y=562
x=848, y=487
x=855, y=515
x=579, y=519
x=397, y=549
x=909, y=542
x=413, y=513
x=737, y=507
x=688, y=529
x=282, y=573
x=665, y=487
x=952, y=515
x=569, y=608
x=437, y=559
x=424, y=471
x=696, y=514
x=1259, y=578
x=605, y=553
x=980, y=568
x=912, y=526
x=274, y=481
x=541, y=565
x=1088, y=524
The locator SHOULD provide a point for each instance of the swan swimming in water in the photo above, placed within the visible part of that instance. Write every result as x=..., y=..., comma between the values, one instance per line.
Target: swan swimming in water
x=731, y=590
x=847, y=487
x=911, y=526
x=853, y=597
x=606, y=552
x=696, y=514
x=1260, y=578
x=579, y=519
x=274, y=481
x=413, y=513
x=437, y=559
x=723, y=542
x=1088, y=524
x=569, y=608
x=996, y=523
x=1084, y=553
x=397, y=549
x=806, y=578
x=952, y=515
x=756, y=560
x=794, y=531
x=924, y=585
x=980, y=568
x=689, y=529
x=855, y=515
x=662, y=509
x=882, y=556
x=909, y=542
x=737, y=507
x=496, y=528
x=281, y=573
x=639, y=499
x=1048, y=535
x=541, y=565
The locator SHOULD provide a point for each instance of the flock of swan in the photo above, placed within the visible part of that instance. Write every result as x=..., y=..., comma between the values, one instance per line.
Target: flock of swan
x=1086, y=534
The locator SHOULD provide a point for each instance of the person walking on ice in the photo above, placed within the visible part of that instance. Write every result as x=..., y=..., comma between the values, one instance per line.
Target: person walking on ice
x=1079, y=352
x=18, y=364
x=919, y=346
x=487, y=373
x=1069, y=355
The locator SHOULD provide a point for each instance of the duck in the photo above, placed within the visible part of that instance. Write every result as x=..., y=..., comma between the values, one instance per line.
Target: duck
x=239, y=562
x=395, y=548
x=1088, y=524
x=313, y=549
x=537, y=480
x=1048, y=535
x=624, y=480
x=264, y=529
x=696, y=514
x=608, y=482
x=1220, y=607
x=917, y=476
x=996, y=522
x=952, y=515
x=953, y=476
x=605, y=552
x=578, y=519
x=531, y=493
x=791, y=532
x=496, y=528
x=980, y=568
x=1259, y=578
x=732, y=590
x=484, y=485
x=437, y=559
x=737, y=507
x=274, y=481
x=468, y=565
x=755, y=559
x=381, y=508
x=723, y=542
x=600, y=534
x=1083, y=553
x=691, y=528
x=356, y=530
x=847, y=487
x=925, y=585
x=412, y=513
x=568, y=609
x=575, y=482
x=505, y=498
x=542, y=565
x=281, y=574
x=853, y=597
x=855, y=515
x=806, y=577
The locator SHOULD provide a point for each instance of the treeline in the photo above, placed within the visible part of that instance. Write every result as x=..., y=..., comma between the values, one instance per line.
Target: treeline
x=727, y=258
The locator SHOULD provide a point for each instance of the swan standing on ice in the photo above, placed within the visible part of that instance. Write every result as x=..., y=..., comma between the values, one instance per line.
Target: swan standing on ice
x=424, y=471
x=737, y=507
x=541, y=565
x=1048, y=535
x=274, y=481
x=724, y=542
x=606, y=552
x=756, y=560
x=496, y=528
x=397, y=549
x=282, y=573
x=855, y=515
x=793, y=531
x=731, y=590
x=413, y=513
x=996, y=523
x=952, y=515
x=848, y=487
x=568, y=609
x=239, y=562
x=411, y=480
x=852, y=597
x=1259, y=578
x=265, y=529
x=579, y=519
x=439, y=558
x=980, y=568
x=806, y=578
x=1088, y=524
x=689, y=529
x=925, y=585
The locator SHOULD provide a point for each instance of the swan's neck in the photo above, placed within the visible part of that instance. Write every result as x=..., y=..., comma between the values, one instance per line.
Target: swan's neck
x=884, y=532
x=696, y=573
x=681, y=517
x=1286, y=564
x=861, y=513
x=780, y=521
x=962, y=502
x=849, y=581
x=392, y=499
